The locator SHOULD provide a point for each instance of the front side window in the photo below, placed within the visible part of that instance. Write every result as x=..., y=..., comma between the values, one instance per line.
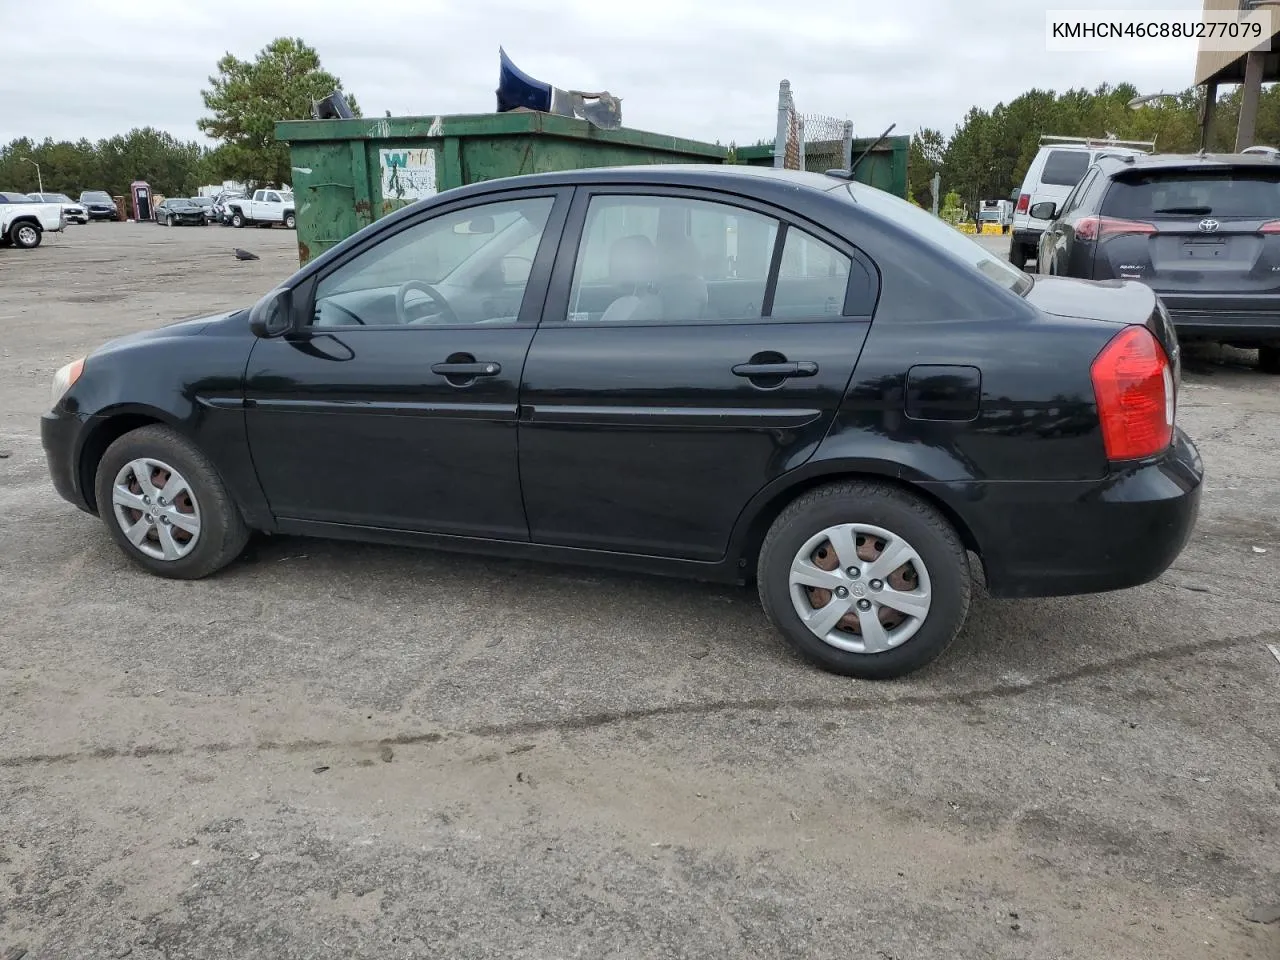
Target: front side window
x=468, y=266
x=273, y=198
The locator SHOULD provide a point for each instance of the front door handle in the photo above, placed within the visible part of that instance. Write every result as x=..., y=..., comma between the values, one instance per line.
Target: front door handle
x=479, y=368
x=791, y=368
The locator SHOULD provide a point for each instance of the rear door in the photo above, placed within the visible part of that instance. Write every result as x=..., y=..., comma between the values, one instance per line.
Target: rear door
x=1199, y=236
x=1063, y=169
x=693, y=347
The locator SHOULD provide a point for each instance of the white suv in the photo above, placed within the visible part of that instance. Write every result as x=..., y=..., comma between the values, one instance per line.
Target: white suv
x=1053, y=174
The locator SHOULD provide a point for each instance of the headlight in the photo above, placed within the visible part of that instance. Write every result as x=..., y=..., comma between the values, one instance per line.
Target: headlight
x=65, y=377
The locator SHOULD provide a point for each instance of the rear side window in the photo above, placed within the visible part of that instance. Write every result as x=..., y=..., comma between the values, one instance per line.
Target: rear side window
x=1064, y=168
x=1254, y=194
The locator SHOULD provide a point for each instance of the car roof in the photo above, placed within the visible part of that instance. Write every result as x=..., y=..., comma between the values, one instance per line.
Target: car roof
x=713, y=176
x=1188, y=161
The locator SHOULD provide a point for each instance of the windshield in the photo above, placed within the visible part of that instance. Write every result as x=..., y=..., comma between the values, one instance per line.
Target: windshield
x=1250, y=193
x=941, y=235
x=97, y=196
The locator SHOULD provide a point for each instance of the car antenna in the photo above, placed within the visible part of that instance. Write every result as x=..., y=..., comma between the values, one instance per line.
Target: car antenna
x=848, y=174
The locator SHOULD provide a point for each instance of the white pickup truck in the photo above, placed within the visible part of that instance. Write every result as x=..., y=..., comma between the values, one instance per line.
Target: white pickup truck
x=265, y=208
x=24, y=224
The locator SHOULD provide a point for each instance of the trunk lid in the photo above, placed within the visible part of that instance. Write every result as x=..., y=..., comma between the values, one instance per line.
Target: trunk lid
x=1206, y=228
x=1117, y=302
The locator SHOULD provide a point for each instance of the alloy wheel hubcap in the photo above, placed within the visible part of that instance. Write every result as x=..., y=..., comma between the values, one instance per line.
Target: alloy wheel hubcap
x=156, y=509
x=26, y=235
x=860, y=588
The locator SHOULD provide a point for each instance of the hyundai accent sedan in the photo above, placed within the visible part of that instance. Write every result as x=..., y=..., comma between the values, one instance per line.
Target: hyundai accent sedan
x=722, y=373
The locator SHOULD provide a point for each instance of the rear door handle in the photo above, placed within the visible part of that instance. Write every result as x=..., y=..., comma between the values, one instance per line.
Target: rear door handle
x=792, y=368
x=480, y=368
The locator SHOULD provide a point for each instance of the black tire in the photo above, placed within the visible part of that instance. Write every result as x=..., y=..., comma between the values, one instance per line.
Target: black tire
x=25, y=235
x=1269, y=359
x=237, y=219
x=223, y=532
x=290, y=222
x=168, y=221
x=900, y=513
x=1018, y=255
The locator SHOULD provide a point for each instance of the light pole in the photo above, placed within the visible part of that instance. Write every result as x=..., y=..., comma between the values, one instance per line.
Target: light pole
x=1144, y=99
x=39, y=177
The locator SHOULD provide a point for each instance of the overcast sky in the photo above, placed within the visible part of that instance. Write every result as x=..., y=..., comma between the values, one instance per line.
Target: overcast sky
x=705, y=69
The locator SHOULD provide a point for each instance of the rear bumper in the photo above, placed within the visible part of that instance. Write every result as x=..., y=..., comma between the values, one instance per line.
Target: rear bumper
x=1054, y=539
x=1027, y=235
x=1247, y=319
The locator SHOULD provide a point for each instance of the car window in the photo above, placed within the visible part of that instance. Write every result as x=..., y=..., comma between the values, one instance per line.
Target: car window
x=1064, y=168
x=1076, y=195
x=475, y=262
x=651, y=259
x=1254, y=194
x=939, y=234
x=813, y=278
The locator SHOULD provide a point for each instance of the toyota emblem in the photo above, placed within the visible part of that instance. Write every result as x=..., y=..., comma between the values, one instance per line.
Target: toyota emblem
x=1208, y=226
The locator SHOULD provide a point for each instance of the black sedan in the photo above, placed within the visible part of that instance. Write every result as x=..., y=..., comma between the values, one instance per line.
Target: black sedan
x=724, y=373
x=99, y=205
x=1203, y=231
x=179, y=210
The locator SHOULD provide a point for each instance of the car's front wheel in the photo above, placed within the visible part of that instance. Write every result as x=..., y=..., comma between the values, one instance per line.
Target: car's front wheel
x=864, y=579
x=26, y=236
x=237, y=220
x=165, y=505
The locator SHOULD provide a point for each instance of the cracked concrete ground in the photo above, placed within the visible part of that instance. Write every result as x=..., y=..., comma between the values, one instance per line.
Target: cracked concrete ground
x=345, y=750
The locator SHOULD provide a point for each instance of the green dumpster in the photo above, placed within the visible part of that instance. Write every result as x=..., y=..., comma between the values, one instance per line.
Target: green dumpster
x=884, y=167
x=348, y=173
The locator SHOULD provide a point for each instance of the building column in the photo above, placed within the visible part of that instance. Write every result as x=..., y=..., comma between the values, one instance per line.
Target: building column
x=1249, y=101
x=1207, y=111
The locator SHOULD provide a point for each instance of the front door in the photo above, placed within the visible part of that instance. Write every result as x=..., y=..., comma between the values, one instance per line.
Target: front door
x=396, y=406
x=693, y=348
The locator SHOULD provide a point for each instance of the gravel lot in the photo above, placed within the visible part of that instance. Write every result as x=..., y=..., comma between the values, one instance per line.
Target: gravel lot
x=339, y=750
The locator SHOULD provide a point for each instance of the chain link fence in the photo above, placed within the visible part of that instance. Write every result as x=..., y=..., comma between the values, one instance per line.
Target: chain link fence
x=810, y=141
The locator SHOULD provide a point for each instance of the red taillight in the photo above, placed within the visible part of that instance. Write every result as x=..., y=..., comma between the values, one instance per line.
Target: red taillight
x=1133, y=386
x=1024, y=202
x=1099, y=228
x=1271, y=226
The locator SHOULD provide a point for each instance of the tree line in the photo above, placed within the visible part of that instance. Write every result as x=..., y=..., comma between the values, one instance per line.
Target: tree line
x=244, y=100
x=987, y=155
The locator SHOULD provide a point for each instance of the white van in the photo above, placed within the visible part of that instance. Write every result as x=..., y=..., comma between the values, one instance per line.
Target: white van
x=1058, y=166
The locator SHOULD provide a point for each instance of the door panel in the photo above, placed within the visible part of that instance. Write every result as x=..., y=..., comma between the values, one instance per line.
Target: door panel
x=650, y=433
x=396, y=406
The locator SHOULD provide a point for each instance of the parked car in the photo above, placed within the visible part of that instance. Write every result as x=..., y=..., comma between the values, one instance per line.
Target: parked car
x=220, y=211
x=75, y=212
x=726, y=373
x=13, y=196
x=23, y=223
x=205, y=204
x=179, y=210
x=265, y=208
x=1202, y=231
x=99, y=205
x=1054, y=172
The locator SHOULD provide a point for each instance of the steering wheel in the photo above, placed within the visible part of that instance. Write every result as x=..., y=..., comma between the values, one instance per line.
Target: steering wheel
x=444, y=314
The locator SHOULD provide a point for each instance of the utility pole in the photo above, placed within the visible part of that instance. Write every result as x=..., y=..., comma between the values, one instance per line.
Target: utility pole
x=39, y=177
x=934, y=186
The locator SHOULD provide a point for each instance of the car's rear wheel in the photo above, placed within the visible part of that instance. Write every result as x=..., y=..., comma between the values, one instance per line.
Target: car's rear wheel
x=26, y=236
x=1269, y=359
x=165, y=505
x=1018, y=255
x=864, y=579
x=289, y=221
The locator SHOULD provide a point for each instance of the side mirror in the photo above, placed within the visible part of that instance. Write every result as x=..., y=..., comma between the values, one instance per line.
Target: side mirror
x=272, y=316
x=1044, y=210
